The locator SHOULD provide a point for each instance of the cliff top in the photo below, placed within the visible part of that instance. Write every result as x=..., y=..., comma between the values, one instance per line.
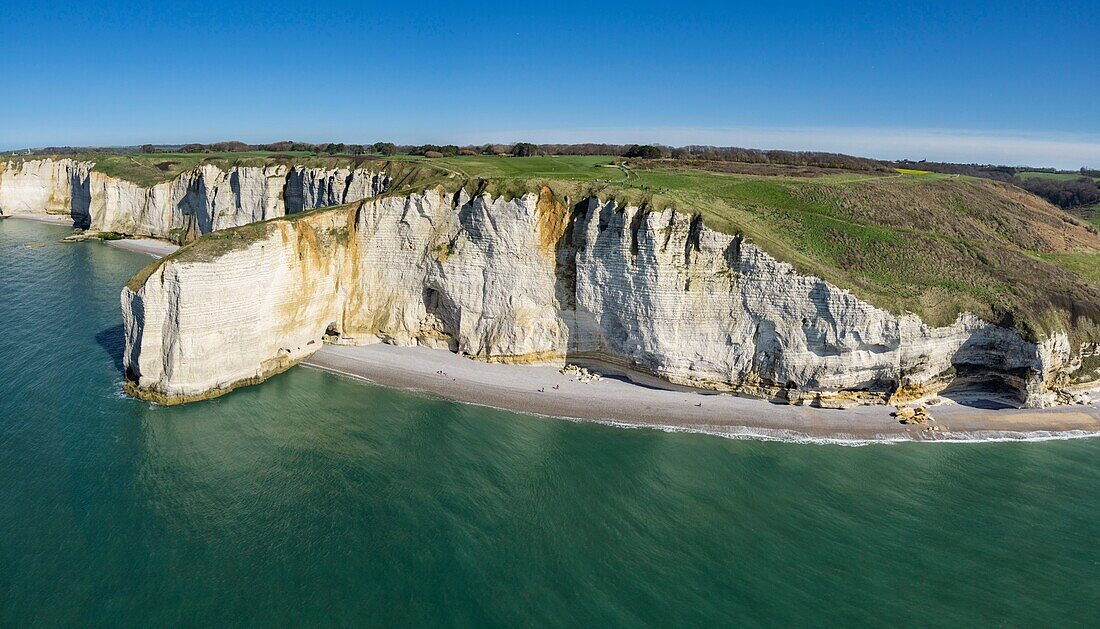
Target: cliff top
x=912, y=241
x=148, y=169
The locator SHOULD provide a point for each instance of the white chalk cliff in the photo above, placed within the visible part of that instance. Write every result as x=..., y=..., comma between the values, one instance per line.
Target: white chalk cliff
x=533, y=279
x=199, y=201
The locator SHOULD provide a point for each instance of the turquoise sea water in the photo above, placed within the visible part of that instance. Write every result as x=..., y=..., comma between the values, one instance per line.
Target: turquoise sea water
x=316, y=500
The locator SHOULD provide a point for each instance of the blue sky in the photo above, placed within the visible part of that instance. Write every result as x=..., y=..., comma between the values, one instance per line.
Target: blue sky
x=1006, y=82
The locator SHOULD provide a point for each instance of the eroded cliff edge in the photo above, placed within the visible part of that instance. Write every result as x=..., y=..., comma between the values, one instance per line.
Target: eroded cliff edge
x=537, y=278
x=197, y=202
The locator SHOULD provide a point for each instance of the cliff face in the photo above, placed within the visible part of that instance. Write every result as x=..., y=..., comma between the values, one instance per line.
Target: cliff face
x=197, y=202
x=532, y=279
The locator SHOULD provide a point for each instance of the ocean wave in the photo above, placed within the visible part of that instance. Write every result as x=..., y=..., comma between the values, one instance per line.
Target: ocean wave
x=785, y=435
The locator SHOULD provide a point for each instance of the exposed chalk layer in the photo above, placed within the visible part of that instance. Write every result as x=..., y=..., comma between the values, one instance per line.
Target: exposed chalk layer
x=535, y=279
x=197, y=202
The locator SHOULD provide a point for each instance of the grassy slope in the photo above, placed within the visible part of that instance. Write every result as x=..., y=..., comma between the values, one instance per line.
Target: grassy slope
x=927, y=243
x=1060, y=176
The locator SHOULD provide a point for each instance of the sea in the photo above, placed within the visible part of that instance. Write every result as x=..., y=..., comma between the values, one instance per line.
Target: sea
x=317, y=500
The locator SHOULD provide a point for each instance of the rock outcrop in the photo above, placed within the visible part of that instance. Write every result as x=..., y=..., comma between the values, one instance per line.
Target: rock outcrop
x=535, y=279
x=197, y=202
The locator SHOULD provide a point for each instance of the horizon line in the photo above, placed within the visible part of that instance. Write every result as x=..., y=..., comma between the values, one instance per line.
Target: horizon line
x=1064, y=151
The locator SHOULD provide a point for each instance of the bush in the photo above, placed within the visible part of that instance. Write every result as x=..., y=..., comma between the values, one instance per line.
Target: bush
x=644, y=151
x=385, y=148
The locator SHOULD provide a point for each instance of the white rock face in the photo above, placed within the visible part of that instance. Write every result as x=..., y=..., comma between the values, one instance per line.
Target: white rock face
x=44, y=187
x=531, y=280
x=197, y=202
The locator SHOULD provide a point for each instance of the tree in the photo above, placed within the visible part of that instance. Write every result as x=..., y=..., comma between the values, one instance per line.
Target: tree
x=148, y=148
x=232, y=146
x=644, y=151
x=524, y=149
x=385, y=148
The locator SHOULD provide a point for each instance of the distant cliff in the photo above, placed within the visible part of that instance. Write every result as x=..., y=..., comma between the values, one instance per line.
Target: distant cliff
x=537, y=278
x=197, y=202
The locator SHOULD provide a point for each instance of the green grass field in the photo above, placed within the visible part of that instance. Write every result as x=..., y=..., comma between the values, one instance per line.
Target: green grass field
x=1030, y=174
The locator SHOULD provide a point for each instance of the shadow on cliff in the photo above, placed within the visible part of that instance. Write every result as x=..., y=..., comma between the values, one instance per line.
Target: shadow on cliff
x=113, y=341
x=986, y=377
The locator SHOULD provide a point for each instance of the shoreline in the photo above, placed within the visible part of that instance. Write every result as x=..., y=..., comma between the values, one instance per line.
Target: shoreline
x=137, y=244
x=633, y=400
x=149, y=246
x=627, y=399
x=51, y=219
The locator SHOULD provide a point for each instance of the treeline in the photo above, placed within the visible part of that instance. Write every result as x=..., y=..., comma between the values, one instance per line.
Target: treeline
x=528, y=149
x=1065, y=193
x=788, y=158
x=518, y=149
x=288, y=146
x=74, y=150
x=986, y=171
x=708, y=153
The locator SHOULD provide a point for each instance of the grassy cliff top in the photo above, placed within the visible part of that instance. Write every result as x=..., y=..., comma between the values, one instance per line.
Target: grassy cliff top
x=910, y=241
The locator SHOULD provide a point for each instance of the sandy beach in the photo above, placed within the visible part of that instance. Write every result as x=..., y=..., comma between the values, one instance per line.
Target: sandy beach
x=632, y=399
x=637, y=400
x=148, y=246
